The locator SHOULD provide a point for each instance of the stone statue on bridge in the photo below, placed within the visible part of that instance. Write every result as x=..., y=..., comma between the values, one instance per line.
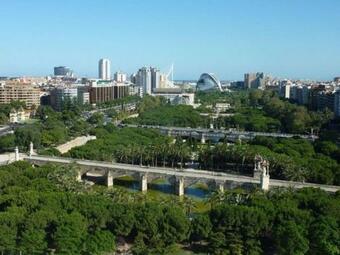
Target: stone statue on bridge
x=261, y=171
x=261, y=166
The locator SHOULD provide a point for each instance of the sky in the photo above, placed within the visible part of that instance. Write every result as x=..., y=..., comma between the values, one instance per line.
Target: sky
x=298, y=39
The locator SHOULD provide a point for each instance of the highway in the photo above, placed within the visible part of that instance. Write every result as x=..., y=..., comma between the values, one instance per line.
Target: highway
x=186, y=173
x=5, y=130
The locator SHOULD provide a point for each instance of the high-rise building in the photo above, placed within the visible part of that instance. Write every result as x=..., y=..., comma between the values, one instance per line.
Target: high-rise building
x=143, y=79
x=63, y=71
x=326, y=100
x=284, y=88
x=133, y=78
x=337, y=103
x=120, y=76
x=155, y=78
x=20, y=92
x=149, y=78
x=254, y=80
x=104, y=69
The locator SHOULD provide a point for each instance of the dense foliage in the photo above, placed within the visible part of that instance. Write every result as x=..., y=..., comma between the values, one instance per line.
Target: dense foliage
x=254, y=110
x=44, y=209
x=265, y=111
x=134, y=146
x=169, y=115
x=290, y=159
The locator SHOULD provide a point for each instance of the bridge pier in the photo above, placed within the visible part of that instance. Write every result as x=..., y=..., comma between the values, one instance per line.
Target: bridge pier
x=17, y=156
x=180, y=186
x=143, y=182
x=219, y=186
x=264, y=181
x=231, y=184
x=109, y=179
x=79, y=176
x=203, y=138
x=31, y=149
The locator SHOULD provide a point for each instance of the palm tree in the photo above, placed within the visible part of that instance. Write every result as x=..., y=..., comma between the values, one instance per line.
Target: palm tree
x=189, y=205
x=216, y=198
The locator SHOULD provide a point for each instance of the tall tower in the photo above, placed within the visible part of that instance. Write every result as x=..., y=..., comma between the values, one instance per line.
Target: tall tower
x=155, y=78
x=144, y=80
x=104, y=69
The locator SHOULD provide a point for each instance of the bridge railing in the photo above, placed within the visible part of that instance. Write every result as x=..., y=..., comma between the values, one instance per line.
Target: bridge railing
x=162, y=170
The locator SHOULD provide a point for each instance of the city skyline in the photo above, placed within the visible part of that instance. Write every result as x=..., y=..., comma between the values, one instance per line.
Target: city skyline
x=289, y=40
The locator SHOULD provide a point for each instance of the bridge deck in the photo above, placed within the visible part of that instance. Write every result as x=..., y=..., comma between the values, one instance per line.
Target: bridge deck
x=186, y=131
x=186, y=173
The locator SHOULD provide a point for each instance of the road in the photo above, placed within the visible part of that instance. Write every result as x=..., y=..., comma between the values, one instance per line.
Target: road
x=186, y=173
x=8, y=129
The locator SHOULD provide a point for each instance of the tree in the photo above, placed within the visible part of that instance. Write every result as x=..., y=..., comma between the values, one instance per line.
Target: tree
x=122, y=219
x=70, y=233
x=99, y=242
x=7, y=143
x=25, y=135
x=3, y=118
x=96, y=118
x=175, y=225
x=200, y=228
x=325, y=236
x=33, y=241
x=290, y=238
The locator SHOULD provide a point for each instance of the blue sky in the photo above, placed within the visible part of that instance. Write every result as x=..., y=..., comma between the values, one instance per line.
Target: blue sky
x=286, y=38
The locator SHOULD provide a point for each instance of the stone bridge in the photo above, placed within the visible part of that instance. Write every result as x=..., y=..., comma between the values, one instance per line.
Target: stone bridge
x=180, y=178
x=216, y=134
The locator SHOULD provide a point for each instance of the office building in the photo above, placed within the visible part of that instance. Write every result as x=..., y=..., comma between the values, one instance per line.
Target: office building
x=143, y=79
x=254, y=80
x=120, y=77
x=284, y=89
x=83, y=95
x=103, y=91
x=302, y=95
x=62, y=95
x=155, y=78
x=175, y=95
x=326, y=100
x=19, y=92
x=337, y=103
x=104, y=69
x=63, y=71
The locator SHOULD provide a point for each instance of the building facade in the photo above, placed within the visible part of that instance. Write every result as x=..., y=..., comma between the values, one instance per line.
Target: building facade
x=155, y=78
x=101, y=91
x=63, y=71
x=120, y=76
x=104, y=69
x=143, y=79
x=62, y=94
x=254, y=80
x=20, y=92
x=337, y=103
x=208, y=81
